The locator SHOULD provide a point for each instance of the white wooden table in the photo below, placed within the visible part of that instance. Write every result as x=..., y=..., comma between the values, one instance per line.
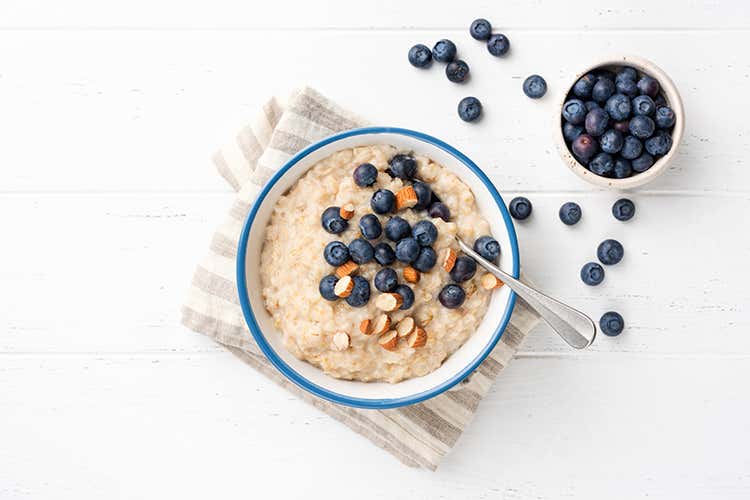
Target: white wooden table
x=108, y=116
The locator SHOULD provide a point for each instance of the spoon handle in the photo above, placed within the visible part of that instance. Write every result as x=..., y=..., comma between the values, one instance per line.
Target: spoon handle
x=575, y=328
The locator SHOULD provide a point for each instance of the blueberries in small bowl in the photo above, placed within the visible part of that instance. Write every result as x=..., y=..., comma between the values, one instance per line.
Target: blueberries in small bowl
x=618, y=107
x=520, y=208
x=535, y=87
x=603, y=89
x=665, y=117
x=602, y=164
x=480, y=29
x=583, y=87
x=643, y=105
x=648, y=86
x=420, y=56
x=611, y=141
x=623, y=209
x=610, y=252
x=596, y=122
x=642, y=163
x=457, y=71
x=571, y=132
x=623, y=168
x=631, y=148
x=498, y=45
x=570, y=213
x=642, y=126
x=584, y=147
x=574, y=111
x=444, y=51
x=469, y=109
x=383, y=201
x=659, y=144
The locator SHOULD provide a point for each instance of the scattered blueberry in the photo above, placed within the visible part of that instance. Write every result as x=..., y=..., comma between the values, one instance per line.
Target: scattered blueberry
x=642, y=163
x=384, y=254
x=383, y=201
x=592, y=274
x=659, y=144
x=469, y=109
x=610, y=252
x=464, y=269
x=583, y=87
x=596, y=122
x=425, y=260
x=602, y=164
x=336, y=253
x=487, y=247
x=360, y=292
x=498, y=45
x=642, y=126
x=648, y=86
x=397, y=229
x=623, y=209
x=664, y=117
x=403, y=166
x=534, y=86
x=424, y=195
x=520, y=207
x=424, y=232
x=627, y=87
x=611, y=141
x=439, y=210
x=326, y=287
x=361, y=251
x=444, y=51
x=643, y=105
x=570, y=213
x=457, y=71
x=591, y=105
x=365, y=175
x=420, y=56
x=332, y=221
x=386, y=280
x=480, y=29
x=452, y=296
x=626, y=73
x=623, y=168
x=407, y=250
x=611, y=324
x=574, y=111
x=407, y=295
x=603, y=89
x=570, y=131
x=584, y=147
x=631, y=148
x=622, y=126
x=369, y=226
x=618, y=107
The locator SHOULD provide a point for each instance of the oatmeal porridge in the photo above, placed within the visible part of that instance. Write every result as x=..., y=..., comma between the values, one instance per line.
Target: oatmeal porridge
x=356, y=260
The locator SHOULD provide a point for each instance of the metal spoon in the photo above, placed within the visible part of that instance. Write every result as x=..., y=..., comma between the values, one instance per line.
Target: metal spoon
x=575, y=328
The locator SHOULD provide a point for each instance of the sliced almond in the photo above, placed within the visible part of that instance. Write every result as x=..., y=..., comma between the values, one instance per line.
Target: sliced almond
x=340, y=341
x=418, y=338
x=388, y=340
x=381, y=325
x=343, y=287
x=449, y=259
x=347, y=268
x=387, y=301
x=365, y=327
x=347, y=211
x=489, y=281
x=411, y=275
x=405, y=326
x=406, y=197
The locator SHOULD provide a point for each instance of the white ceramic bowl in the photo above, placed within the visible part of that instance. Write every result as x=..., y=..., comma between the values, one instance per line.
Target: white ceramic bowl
x=376, y=395
x=671, y=95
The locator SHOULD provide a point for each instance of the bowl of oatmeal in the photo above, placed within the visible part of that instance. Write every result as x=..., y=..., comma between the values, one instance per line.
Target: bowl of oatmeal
x=349, y=276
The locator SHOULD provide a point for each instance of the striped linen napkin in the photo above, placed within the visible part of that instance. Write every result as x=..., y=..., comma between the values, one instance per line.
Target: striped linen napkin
x=419, y=435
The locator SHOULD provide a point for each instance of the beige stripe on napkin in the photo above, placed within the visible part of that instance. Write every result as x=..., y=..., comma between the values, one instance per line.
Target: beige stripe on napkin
x=419, y=435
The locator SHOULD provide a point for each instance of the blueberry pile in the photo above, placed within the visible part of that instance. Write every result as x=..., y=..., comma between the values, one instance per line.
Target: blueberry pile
x=617, y=124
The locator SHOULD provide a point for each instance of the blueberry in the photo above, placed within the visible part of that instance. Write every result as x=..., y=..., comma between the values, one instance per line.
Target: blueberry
x=369, y=226
x=591, y=105
x=457, y=71
x=664, y=117
x=332, y=221
x=444, y=51
x=361, y=251
x=397, y=228
x=659, y=100
x=407, y=250
x=603, y=89
x=407, y=295
x=643, y=105
x=534, y=86
x=596, y=122
x=360, y=292
x=659, y=144
x=642, y=126
x=452, y=296
x=622, y=126
x=623, y=209
x=592, y=274
x=627, y=87
x=480, y=29
x=336, y=253
x=631, y=148
x=384, y=254
x=424, y=232
x=570, y=213
x=403, y=166
x=386, y=280
x=326, y=287
x=420, y=56
x=365, y=175
x=626, y=73
x=611, y=141
x=623, y=168
x=464, y=269
x=498, y=45
x=520, y=208
x=602, y=164
x=441, y=210
x=610, y=252
x=574, y=111
x=487, y=247
x=425, y=260
x=583, y=87
x=424, y=195
x=642, y=163
x=382, y=201
x=570, y=131
x=648, y=86
x=611, y=324
x=584, y=147
x=469, y=109
x=618, y=107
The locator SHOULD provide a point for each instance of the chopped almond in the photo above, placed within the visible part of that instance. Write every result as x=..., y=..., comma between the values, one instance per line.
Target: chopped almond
x=406, y=197
x=347, y=268
x=343, y=287
x=418, y=338
x=388, y=340
x=347, y=211
x=382, y=324
x=489, y=281
x=340, y=341
x=388, y=301
x=449, y=259
x=405, y=326
x=411, y=275
x=365, y=327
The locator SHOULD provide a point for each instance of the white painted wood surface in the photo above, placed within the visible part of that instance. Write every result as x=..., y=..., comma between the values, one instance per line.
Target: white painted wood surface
x=108, y=115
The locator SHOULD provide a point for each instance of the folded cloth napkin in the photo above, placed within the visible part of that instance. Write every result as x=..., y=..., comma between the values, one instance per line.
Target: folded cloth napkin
x=419, y=435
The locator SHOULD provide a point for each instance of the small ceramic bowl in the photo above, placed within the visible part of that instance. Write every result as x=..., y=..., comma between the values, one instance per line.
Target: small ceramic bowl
x=377, y=395
x=671, y=95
